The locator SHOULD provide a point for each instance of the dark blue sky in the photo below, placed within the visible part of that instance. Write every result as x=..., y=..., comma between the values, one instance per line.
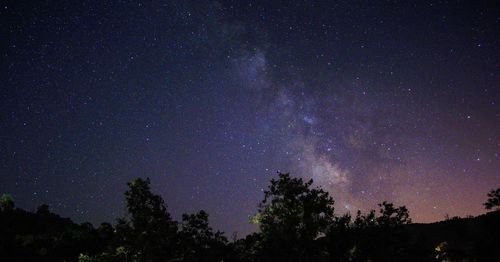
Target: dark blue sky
x=374, y=100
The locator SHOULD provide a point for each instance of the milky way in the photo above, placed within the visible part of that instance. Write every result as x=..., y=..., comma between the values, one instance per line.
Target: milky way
x=373, y=101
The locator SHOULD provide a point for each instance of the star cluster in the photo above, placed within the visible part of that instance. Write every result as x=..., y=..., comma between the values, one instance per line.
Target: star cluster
x=373, y=100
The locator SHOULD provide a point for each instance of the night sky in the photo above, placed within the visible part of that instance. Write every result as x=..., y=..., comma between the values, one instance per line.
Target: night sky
x=374, y=100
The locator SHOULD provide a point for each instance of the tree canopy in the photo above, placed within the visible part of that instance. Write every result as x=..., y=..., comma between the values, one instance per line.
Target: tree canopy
x=493, y=201
x=292, y=216
x=6, y=203
x=296, y=222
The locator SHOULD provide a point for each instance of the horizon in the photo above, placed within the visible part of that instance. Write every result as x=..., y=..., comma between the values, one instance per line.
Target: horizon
x=177, y=217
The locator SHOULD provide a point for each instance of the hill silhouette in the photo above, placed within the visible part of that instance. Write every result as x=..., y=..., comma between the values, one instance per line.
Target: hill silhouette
x=457, y=239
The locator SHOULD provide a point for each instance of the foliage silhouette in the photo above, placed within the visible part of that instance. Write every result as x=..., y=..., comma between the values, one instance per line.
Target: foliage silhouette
x=296, y=223
x=391, y=216
x=198, y=242
x=493, y=201
x=291, y=218
x=6, y=203
x=151, y=233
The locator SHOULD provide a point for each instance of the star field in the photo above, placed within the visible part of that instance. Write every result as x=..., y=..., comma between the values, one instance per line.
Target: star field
x=373, y=100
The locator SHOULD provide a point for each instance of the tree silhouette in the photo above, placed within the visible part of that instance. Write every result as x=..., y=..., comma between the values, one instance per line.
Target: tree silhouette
x=296, y=222
x=391, y=216
x=43, y=210
x=493, y=201
x=291, y=217
x=339, y=238
x=6, y=203
x=198, y=242
x=363, y=221
x=151, y=233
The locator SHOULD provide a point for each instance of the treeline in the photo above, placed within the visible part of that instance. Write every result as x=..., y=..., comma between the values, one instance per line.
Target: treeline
x=296, y=222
